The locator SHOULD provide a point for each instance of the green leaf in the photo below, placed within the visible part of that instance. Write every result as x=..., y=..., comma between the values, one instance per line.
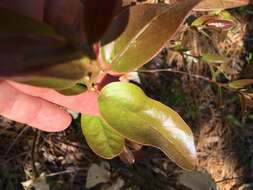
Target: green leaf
x=239, y=84
x=59, y=77
x=200, y=21
x=147, y=28
x=126, y=108
x=74, y=90
x=101, y=138
x=214, y=58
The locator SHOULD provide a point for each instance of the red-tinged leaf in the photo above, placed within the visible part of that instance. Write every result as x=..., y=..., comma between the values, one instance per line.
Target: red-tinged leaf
x=148, y=28
x=27, y=45
x=98, y=15
x=30, y=59
x=222, y=21
x=59, y=77
x=127, y=156
x=32, y=52
x=220, y=24
x=210, y=5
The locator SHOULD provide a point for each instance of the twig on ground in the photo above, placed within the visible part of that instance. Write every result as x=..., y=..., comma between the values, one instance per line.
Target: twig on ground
x=74, y=170
x=34, y=151
x=182, y=73
x=15, y=141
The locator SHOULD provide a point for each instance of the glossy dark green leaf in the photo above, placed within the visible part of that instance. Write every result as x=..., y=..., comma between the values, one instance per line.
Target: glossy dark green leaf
x=126, y=108
x=101, y=138
x=97, y=17
x=148, y=28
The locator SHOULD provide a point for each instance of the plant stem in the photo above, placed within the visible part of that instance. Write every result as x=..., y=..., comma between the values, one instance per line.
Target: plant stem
x=184, y=73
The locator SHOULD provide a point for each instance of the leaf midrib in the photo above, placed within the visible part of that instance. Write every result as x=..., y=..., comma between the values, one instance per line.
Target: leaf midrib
x=139, y=34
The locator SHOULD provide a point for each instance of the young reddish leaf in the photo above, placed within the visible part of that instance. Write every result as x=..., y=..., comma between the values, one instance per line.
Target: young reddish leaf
x=101, y=138
x=148, y=28
x=222, y=21
x=220, y=24
x=98, y=15
x=127, y=156
x=126, y=108
x=210, y=5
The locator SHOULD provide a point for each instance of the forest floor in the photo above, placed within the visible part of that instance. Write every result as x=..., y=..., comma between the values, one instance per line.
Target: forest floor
x=224, y=137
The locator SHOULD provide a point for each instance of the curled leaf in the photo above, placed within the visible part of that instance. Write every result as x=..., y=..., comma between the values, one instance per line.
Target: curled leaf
x=101, y=138
x=127, y=156
x=220, y=24
x=126, y=108
x=221, y=21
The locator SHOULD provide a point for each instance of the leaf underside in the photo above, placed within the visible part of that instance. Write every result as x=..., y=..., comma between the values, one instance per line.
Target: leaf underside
x=102, y=139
